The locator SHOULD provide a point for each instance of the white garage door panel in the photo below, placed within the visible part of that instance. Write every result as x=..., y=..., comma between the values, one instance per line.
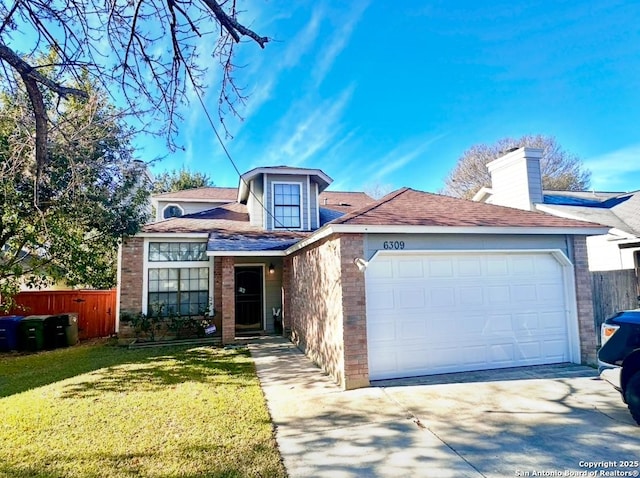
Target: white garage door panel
x=439, y=313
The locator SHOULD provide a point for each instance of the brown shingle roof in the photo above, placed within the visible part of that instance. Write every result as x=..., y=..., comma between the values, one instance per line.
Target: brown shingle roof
x=225, y=221
x=229, y=229
x=231, y=217
x=408, y=207
x=208, y=194
x=344, y=201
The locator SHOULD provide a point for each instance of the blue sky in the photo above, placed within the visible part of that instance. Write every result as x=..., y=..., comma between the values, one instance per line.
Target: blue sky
x=392, y=93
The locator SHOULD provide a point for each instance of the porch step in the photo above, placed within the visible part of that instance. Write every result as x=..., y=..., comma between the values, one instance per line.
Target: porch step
x=172, y=343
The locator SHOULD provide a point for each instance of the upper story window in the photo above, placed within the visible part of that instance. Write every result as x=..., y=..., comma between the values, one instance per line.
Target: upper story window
x=172, y=210
x=286, y=205
x=177, y=251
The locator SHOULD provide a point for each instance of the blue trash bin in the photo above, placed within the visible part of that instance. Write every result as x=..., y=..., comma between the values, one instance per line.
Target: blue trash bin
x=9, y=332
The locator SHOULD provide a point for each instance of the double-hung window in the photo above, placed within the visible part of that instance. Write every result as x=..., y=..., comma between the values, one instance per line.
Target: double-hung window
x=178, y=278
x=286, y=205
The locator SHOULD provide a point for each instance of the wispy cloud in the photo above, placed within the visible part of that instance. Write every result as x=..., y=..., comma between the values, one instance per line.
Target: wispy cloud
x=303, y=40
x=339, y=39
x=269, y=74
x=401, y=156
x=616, y=170
x=308, y=129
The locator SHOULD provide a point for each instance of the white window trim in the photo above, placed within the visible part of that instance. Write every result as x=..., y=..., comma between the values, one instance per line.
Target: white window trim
x=273, y=205
x=146, y=265
x=263, y=203
x=318, y=206
x=308, y=203
x=171, y=204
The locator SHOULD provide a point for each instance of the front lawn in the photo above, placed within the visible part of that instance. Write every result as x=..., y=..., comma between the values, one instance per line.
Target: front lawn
x=103, y=411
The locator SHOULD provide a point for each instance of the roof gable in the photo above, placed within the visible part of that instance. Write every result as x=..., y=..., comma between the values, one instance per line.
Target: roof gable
x=316, y=175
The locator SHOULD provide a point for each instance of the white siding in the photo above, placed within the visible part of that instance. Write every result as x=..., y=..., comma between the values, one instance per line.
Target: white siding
x=256, y=212
x=605, y=255
x=516, y=179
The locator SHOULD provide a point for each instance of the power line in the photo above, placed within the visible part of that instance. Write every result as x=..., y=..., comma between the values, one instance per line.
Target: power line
x=226, y=151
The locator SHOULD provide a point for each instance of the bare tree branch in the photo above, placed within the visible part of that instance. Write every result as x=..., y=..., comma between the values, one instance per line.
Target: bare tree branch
x=234, y=28
x=40, y=114
x=27, y=71
x=149, y=49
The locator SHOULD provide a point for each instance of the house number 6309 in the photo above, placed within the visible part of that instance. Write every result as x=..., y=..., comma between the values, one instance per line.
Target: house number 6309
x=393, y=244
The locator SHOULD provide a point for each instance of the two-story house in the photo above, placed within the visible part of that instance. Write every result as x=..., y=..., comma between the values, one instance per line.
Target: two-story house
x=411, y=284
x=517, y=182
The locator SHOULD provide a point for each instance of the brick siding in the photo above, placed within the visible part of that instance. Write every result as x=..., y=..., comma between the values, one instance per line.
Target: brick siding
x=286, y=308
x=584, y=303
x=228, y=300
x=325, y=307
x=356, y=359
x=217, y=288
x=132, y=275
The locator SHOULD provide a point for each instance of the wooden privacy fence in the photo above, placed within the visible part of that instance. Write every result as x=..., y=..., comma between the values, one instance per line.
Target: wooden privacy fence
x=96, y=309
x=613, y=291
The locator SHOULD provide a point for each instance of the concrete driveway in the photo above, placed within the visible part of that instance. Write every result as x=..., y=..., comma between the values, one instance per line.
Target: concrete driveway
x=535, y=421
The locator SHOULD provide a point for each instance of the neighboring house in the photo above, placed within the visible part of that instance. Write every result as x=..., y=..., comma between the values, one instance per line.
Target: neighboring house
x=516, y=182
x=412, y=284
x=188, y=201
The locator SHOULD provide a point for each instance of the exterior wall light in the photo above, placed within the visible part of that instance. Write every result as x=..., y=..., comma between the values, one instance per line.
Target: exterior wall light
x=361, y=264
x=272, y=269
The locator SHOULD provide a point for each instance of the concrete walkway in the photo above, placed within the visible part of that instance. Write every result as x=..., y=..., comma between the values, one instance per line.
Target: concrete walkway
x=325, y=432
x=495, y=423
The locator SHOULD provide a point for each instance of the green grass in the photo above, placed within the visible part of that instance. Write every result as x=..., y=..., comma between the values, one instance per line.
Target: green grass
x=103, y=411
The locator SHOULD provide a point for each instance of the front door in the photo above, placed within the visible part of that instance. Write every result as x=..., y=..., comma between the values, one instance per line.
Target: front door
x=248, y=299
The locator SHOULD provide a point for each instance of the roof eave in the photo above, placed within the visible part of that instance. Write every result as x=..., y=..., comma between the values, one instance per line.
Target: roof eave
x=330, y=229
x=321, y=178
x=174, y=235
x=482, y=195
x=246, y=253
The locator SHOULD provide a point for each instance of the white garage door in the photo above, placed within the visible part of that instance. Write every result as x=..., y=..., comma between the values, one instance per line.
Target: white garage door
x=430, y=313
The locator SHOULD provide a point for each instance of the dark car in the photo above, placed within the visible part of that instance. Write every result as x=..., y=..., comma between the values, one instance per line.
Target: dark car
x=619, y=357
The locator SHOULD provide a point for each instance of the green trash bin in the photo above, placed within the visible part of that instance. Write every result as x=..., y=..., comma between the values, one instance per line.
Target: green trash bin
x=31, y=333
x=72, y=328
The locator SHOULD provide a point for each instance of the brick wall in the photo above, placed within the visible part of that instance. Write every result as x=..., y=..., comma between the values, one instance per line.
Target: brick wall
x=356, y=359
x=217, y=286
x=132, y=276
x=228, y=300
x=584, y=303
x=325, y=308
x=286, y=308
x=314, y=305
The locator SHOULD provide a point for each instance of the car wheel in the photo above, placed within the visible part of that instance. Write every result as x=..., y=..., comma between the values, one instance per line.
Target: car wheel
x=632, y=396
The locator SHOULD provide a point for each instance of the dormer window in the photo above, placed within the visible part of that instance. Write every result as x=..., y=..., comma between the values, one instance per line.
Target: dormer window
x=172, y=210
x=286, y=205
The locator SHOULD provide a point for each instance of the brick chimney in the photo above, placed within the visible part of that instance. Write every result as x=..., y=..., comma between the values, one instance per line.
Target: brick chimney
x=516, y=180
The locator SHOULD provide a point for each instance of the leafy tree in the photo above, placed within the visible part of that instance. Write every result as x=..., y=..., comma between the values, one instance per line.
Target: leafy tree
x=151, y=51
x=179, y=180
x=92, y=193
x=561, y=170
